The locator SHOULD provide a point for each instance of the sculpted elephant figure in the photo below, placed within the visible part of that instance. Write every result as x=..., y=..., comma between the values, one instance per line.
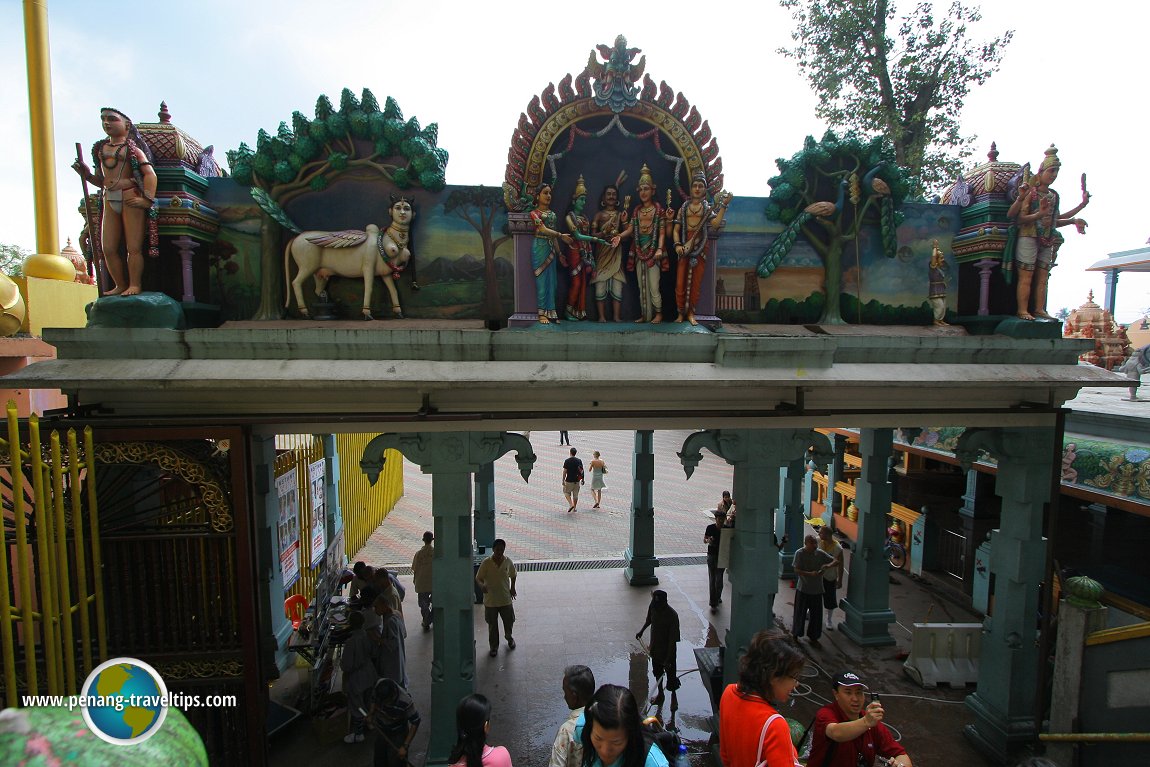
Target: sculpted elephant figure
x=353, y=253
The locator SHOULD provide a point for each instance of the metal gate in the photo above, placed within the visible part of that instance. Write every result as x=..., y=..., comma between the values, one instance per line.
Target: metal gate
x=952, y=554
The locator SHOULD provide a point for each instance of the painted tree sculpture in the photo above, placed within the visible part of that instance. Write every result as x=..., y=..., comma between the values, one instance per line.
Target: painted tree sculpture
x=479, y=206
x=358, y=141
x=829, y=192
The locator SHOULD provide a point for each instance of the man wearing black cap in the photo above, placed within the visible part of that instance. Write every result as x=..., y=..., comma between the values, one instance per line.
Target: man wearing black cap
x=421, y=575
x=664, y=623
x=849, y=731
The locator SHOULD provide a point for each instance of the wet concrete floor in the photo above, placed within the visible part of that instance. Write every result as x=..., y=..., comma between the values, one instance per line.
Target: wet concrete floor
x=590, y=616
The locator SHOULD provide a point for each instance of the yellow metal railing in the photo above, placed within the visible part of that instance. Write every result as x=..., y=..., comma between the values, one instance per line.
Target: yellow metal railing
x=42, y=607
x=364, y=505
x=1120, y=634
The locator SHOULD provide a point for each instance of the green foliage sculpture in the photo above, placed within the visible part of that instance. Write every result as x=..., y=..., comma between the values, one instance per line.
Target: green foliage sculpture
x=906, y=82
x=358, y=137
x=828, y=192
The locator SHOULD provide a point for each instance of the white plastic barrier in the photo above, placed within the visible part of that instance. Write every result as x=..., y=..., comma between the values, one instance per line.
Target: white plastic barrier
x=944, y=652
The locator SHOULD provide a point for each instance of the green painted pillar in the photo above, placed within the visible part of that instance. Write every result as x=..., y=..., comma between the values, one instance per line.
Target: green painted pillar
x=640, y=555
x=484, y=506
x=792, y=477
x=866, y=608
x=1004, y=703
x=450, y=458
x=835, y=472
x=757, y=456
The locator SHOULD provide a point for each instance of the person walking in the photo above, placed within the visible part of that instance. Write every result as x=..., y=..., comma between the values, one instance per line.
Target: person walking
x=598, y=469
x=572, y=479
x=472, y=721
x=809, y=564
x=711, y=537
x=578, y=687
x=421, y=565
x=833, y=575
x=496, y=579
x=564, y=439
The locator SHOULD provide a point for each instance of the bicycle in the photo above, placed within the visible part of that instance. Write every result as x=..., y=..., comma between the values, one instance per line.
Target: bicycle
x=894, y=551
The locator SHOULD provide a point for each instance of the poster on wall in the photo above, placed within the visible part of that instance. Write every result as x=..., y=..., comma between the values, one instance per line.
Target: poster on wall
x=317, y=474
x=288, y=492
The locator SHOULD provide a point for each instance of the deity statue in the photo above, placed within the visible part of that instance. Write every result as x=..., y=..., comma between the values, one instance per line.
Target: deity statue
x=936, y=276
x=616, y=80
x=578, y=259
x=647, y=258
x=1036, y=215
x=127, y=181
x=608, y=278
x=544, y=251
x=695, y=218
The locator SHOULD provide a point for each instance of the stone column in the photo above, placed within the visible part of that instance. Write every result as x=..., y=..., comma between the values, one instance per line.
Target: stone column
x=187, y=246
x=757, y=456
x=485, y=506
x=640, y=555
x=866, y=608
x=1079, y=615
x=835, y=472
x=450, y=458
x=1004, y=703
x=791, y=501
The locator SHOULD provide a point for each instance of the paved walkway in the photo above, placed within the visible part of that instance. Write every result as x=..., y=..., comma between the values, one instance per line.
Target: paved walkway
x=590, y=616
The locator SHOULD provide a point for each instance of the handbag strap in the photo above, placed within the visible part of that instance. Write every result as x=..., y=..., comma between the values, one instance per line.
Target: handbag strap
x=763, y=736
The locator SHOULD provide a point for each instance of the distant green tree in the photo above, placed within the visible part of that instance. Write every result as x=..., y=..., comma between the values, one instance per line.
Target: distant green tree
x=12, y=259
x=908, y=83
x=828, y=192
x=308, y=155
x=478, y=206
x=1063, y=314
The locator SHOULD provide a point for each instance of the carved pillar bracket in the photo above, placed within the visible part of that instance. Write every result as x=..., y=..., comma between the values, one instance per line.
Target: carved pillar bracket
x=1004, y=703
x=866, y=608
x=757, y=456
x=450, y=458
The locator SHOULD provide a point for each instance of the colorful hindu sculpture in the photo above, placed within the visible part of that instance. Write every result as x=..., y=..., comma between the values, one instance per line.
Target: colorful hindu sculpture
x=616, y=80
x=695, y=218
x=936, y=277
x=127, y=181
x=544, y=251
x=648, y=259
x=608, y=278
x=1037, y=217
x=578, y=260
x=366, y=253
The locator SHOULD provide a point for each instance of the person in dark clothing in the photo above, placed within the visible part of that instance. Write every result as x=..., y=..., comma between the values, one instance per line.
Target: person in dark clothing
x=664, y=623
x=572, y=479
x=711, y=537
x=395, y=720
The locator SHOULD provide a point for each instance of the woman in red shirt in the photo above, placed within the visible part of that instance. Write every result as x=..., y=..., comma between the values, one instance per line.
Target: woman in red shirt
x=751, y=730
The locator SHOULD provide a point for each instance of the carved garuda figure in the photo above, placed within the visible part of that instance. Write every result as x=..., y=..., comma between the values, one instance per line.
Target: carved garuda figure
x=616, y=80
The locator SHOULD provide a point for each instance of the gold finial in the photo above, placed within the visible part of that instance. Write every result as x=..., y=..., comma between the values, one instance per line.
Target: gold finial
x=645, y=177
x=1050, y=160
x=580, y=187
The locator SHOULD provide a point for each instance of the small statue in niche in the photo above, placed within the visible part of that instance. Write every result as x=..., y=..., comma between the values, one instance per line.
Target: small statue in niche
x=936, y=276
x=127, y=181
x=695, y=218
x=366, y=253
x=608, y=279
x=648, y=259
x=1036, y=214
x=578, y=260
x=544, y=251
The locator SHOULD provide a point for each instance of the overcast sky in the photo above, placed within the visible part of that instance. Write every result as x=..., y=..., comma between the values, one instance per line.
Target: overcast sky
x=1073, y=76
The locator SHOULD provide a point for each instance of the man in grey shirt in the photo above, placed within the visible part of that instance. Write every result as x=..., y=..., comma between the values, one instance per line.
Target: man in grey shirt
x=809, y=564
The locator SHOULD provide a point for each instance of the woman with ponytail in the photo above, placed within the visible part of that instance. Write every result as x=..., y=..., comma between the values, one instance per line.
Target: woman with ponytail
x=472, y=721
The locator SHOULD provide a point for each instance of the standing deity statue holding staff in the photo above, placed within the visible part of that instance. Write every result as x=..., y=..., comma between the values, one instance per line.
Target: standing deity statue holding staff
x=695, y=218
x=127, y=181
x=648, y=259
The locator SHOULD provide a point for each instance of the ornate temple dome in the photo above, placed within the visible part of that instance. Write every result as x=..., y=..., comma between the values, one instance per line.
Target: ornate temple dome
x=988, y=180
x=77, y=258
x=172, y=146
x=1111, y=344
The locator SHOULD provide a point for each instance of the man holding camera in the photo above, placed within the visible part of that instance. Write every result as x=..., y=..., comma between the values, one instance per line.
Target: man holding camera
x=849, y=732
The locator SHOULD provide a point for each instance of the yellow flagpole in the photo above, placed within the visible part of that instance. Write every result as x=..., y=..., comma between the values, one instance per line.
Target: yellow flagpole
x=40, y=110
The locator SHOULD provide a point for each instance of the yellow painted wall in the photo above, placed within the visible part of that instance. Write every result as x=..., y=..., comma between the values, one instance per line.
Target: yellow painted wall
x=54, y=303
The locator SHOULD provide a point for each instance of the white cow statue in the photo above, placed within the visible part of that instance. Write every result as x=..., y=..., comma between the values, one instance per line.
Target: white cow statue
x=353, y=253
